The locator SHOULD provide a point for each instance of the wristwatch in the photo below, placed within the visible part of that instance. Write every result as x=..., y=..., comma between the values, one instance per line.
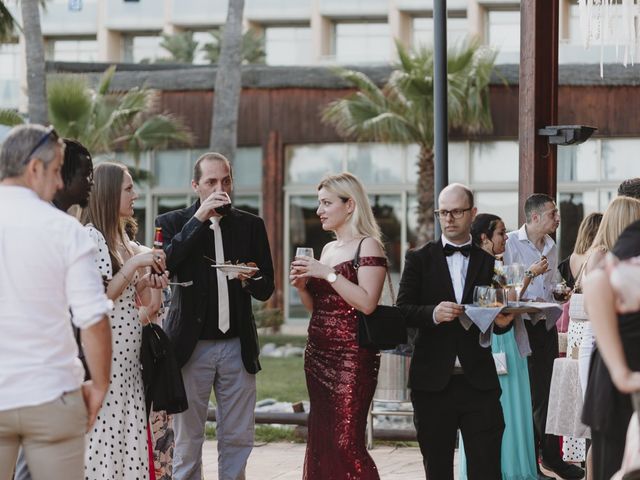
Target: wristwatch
x=331, y=277
x=529, y=274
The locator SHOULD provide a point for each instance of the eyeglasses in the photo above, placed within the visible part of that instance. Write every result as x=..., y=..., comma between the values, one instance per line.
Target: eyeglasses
x=50, y=133
x=455, y=213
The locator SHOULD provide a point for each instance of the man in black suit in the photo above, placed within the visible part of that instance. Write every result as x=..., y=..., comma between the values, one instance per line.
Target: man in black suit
x=211, y=323
x=453, y=380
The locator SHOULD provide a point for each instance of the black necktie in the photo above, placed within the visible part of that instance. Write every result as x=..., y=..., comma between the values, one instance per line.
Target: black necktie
x=451, y=249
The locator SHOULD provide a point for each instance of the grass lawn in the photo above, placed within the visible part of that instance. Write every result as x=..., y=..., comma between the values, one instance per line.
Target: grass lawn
x=282, y=378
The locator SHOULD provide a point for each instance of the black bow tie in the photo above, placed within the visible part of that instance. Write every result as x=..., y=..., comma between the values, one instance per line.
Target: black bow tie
x=451, y=249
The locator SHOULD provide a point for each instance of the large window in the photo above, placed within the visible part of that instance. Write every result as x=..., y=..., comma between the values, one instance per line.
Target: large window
x=503, y=32
x=362, y=42
x=288, y=45
x=9, y=75
x=588, y=176
x=138, y=48
x=457, y=29
x=72, y=50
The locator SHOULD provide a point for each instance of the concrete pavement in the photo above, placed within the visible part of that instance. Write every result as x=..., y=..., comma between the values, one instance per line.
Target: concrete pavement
x=283, y=461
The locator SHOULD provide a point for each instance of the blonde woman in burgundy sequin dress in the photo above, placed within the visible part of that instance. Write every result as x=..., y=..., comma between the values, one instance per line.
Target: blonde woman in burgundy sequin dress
x=341, y=376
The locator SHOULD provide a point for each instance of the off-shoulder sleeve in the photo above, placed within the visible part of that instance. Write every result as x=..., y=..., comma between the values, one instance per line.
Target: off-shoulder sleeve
x=102, y=258
x=373, y=261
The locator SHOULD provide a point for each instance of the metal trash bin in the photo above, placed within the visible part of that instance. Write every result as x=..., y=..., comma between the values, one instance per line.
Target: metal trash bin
x=393, y=377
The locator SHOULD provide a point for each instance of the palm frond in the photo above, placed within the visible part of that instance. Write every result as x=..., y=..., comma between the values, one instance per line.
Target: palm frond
x=69, y=104
x=156, y=132
x=181, y=46
x=253, y=47
x=8, y=23
x=10, y=118
x=402, y=110
x=105, y=81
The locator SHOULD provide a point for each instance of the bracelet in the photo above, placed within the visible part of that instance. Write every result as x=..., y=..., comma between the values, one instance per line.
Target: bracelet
x=529, y=274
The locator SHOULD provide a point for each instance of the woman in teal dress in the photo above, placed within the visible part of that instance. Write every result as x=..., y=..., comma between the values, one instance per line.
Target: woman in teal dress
x=518, y=451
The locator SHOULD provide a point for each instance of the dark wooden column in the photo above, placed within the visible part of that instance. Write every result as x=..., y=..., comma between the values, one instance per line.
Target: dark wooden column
x=273, y=208
x=538, y=97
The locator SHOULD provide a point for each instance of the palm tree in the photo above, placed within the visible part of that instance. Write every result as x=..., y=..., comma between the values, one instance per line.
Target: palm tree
x=402, y=110
x=226, y=100
x=34, y=46
x=253, y=49
x=181, y=47
x=105, y=122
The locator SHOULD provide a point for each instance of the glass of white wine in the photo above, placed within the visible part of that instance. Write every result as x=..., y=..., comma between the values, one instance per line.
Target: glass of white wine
x=304, y=252
x=514, y=276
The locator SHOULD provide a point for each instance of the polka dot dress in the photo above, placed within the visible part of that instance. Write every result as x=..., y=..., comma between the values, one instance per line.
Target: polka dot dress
x=116, y=448
x=574, y=448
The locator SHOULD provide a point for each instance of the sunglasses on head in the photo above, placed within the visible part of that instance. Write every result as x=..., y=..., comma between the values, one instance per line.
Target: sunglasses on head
x=51, y=133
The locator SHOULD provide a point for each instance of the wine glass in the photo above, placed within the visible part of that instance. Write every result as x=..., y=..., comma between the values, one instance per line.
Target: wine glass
x=480, y=295
x=501, y=297
x=304, y=252
x=561, y=292
x=514, y=276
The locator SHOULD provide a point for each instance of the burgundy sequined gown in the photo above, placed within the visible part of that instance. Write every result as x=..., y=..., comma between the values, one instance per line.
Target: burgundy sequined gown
x=341, y=378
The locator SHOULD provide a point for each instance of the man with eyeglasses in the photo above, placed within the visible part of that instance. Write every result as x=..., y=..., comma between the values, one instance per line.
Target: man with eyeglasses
x=526, y=246
x=48, y=267
x=453, y=380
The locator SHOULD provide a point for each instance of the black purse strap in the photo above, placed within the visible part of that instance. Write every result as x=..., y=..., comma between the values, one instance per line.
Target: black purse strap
x=356, y=264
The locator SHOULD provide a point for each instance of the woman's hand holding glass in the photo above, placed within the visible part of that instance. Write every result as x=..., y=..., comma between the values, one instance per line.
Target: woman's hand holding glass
x=308, y=267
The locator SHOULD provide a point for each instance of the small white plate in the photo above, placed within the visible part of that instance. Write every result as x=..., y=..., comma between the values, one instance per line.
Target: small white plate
x=230, y=268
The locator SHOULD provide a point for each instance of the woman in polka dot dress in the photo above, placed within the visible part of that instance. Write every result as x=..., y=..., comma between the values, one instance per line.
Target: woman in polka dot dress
x=117, y=444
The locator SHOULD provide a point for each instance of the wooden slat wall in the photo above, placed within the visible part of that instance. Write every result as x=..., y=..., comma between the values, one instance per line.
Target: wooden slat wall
x=294, y=113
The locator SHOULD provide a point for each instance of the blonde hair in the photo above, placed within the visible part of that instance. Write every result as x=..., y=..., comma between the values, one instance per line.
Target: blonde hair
x=103, y=211
x=587, y=232
x=620, y=213
x=347, y=186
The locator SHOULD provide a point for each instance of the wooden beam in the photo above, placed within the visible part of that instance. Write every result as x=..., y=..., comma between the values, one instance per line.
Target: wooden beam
x=273, y=208
x=538, y=98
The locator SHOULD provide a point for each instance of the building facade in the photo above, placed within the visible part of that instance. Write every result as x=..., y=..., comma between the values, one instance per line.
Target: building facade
x=296, y=32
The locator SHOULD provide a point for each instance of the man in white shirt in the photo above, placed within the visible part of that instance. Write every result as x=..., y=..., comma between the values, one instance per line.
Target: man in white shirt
x=527, y=246
x=47, y=266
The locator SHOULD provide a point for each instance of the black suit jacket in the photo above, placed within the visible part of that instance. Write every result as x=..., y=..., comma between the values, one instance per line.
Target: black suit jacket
x=425, y=283
x=244, y=239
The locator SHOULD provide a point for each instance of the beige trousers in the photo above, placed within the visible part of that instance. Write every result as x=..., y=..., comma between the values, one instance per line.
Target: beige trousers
x=52, y=436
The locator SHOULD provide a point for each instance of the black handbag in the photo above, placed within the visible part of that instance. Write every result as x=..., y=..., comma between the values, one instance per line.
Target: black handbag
x=384, y=328
x=161, y=376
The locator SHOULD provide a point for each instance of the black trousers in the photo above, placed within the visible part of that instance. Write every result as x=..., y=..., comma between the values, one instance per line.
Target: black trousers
x=607, y=453
x=478, y=414
x=544, y=350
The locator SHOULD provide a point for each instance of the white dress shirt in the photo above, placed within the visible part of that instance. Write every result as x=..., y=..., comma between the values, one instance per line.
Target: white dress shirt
x=46, y=267
x=520, y=249
x=458, y=266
